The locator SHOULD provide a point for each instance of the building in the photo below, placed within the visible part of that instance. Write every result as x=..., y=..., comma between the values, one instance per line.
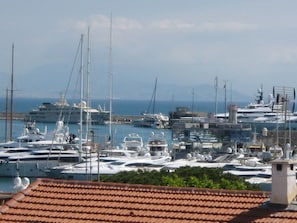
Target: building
x=49, y=200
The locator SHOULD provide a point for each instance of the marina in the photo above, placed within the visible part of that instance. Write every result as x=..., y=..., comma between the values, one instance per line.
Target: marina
x=156, y=112
x=192, y=138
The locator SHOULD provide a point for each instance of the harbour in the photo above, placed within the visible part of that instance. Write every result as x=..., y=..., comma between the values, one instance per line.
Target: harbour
x=122, y=125
x=156, y=112
x=88, y=142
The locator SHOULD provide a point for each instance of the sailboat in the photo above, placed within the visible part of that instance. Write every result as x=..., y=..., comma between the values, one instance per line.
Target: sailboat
x=152, y=120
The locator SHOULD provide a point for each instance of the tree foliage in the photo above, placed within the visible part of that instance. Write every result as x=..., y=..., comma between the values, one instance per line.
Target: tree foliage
x=183, y=177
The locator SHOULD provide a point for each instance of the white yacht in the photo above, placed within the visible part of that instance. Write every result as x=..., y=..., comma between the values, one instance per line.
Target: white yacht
x=275, y=114
x=89, y=169
x=156, y=121
x=117, y=160
x=61, y=110
x=248, y=167
x=175, y=164
x=106, y=156
x=134, y=142
x=36, y=163
x=158, y=146
x=253, y=110
x=5, y=153
x=30, y=134
x=33, y=137
x=250, y=171
x=275, y=120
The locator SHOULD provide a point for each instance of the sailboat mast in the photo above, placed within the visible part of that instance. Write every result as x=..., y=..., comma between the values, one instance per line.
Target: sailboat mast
x=11, y=92
x=6, y=115
x=216, y=96
x=110, y=79
x=225, y=87
x=193, y=98
x=154, y=96
x=81, y=94
x=88, y=121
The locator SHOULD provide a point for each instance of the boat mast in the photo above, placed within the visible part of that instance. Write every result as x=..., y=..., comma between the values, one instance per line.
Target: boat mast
x=110, y=81
x=153, y=98
x=6, y=115
x=88, y=121
x=225, y=87
x=216, y=96
x=81, y=95
x=193, y=95
x=11, y=93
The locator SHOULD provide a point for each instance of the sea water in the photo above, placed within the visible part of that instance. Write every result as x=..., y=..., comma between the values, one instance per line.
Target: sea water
x=127, y=107
x=102, y=132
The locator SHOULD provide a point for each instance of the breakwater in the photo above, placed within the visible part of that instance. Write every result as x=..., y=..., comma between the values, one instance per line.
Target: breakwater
x=15, y=115
x=119, y=119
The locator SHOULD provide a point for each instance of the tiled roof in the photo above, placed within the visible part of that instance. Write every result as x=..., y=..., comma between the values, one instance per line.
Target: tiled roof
x=49, y=200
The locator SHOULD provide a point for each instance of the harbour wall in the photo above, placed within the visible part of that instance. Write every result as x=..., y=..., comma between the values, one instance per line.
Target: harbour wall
x=120, y=119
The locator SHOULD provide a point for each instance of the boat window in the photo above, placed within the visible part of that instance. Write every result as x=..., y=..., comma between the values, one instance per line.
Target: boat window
x=107, y=160
x=18, y=151
x=69, y=159
x=139, y=164
x=117, y=163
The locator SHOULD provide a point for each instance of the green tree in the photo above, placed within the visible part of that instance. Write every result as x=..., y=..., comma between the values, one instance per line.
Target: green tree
x=183, y=177
x=173, y=180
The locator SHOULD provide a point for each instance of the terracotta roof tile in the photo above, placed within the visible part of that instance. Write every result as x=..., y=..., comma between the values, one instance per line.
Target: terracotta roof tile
x=48, y=200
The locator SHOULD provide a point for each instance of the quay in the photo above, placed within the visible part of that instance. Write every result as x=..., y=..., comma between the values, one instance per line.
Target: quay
x=120, y=119
x=15, y=116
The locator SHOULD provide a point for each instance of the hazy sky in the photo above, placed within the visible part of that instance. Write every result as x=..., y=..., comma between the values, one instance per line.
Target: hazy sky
x=184, y=43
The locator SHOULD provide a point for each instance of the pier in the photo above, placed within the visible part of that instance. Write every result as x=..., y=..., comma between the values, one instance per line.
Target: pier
x=15, y=116
x=120, y=119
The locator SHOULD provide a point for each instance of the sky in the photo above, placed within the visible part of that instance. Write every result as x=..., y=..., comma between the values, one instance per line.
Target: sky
x=185, y=44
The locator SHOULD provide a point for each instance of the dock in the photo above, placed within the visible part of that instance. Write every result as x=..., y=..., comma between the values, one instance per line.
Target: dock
x=119, y=119
x=15, y=116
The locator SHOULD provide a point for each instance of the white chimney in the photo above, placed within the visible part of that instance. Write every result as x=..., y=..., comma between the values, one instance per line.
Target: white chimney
x=283, y=187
